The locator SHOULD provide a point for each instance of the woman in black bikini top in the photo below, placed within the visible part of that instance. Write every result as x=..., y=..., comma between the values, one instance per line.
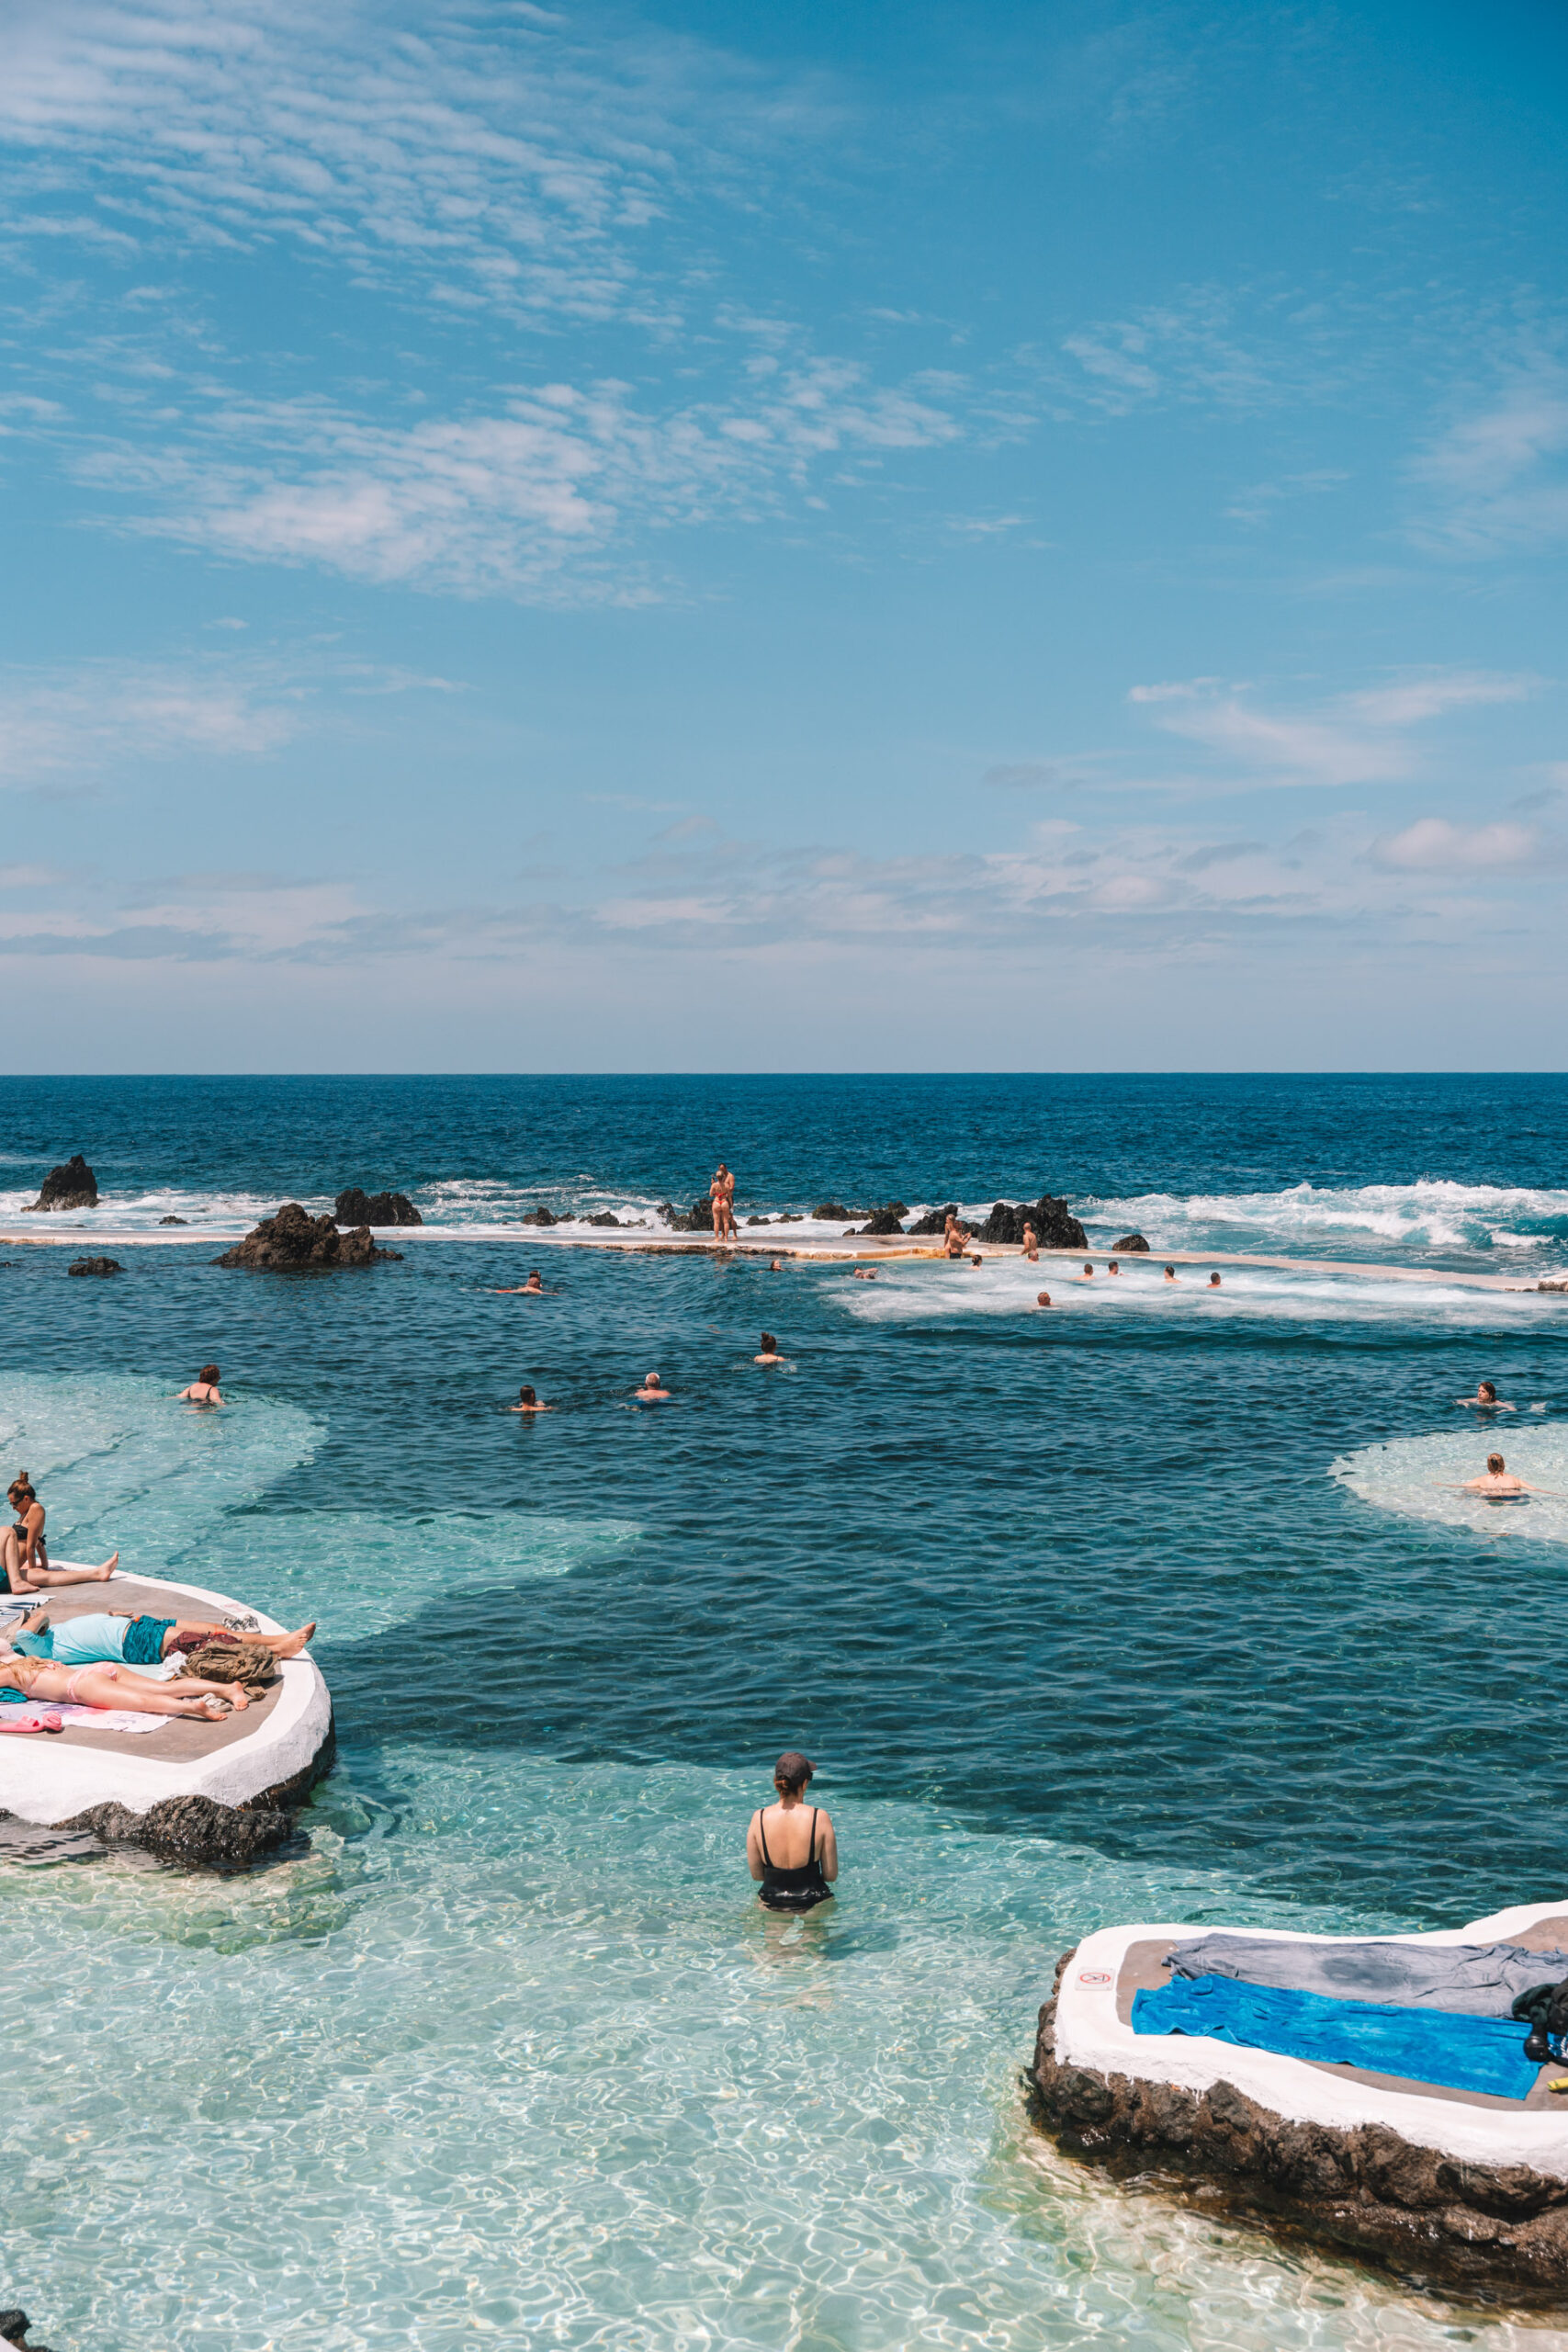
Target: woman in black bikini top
x=801, y=1886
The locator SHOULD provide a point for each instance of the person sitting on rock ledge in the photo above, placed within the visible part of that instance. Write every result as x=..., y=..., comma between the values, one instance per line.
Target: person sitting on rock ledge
x=652, y=1391
x=24, y=1555
x=203, y=1389
x=41, y=1682
x=528, y=1403
x=533, y=1288
x=117, y=1638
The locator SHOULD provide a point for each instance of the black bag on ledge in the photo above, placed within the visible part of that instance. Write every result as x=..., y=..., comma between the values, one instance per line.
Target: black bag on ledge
x=1544, y=2008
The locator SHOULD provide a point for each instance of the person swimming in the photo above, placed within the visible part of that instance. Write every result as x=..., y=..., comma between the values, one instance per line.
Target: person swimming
x=1115, y=1267
x=1171, y=1275
x=533, y=1288
x=1042, y=1298
x=652, y=1391
x=203, y=1389
x=770, y=1350
x=804, y=1855
x=528, y=1403
x=776, y=1266
x=24, y=1555
x=1499, y=1481
x=1088, y=1274
x=1487, y=1399
x=1213, y=1281
x=865, y=1273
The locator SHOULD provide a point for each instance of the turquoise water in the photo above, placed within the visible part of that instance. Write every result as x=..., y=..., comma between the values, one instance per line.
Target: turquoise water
x=1157, y=1607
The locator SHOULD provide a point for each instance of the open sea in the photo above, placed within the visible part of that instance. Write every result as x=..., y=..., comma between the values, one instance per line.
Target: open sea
x=1152, y=1607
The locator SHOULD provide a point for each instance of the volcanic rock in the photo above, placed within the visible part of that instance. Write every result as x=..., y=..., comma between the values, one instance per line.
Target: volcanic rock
x=935, y=1220
x=354, y=1207
x=93, y=1266
x=883, y=1221
x=605, y=1217
x=14, y=2327
x=760, y=1220
x=832, y=1212
x=1133, y=1242
x=540, y=1216
x=1056, y=1226
x=173, y=1220
x=74, y=1186
x=294, y=1239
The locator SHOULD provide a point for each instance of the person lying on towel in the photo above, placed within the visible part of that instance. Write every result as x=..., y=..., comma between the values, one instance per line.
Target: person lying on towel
x=119, y=1639
x=39, y=1680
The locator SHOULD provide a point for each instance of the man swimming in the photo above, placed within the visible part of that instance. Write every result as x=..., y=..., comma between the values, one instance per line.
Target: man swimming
x=533, y=1288
x=1213, y=1281
x=1088, y=1274
x=865, y=1273
x=1115, y=1267
x=1487, y=1399
x=528, y=1403
x=1042, y=1298
x=652, y=1391
x=1171, y=1275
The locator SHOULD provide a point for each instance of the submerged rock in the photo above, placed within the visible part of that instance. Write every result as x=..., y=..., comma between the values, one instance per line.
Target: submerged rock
x=1056, y=1226
x=93, y=1266
x=295, y=1239
x=357, y=1207
x=73, y=1186
x=935, y=1220
x=1133, y=1242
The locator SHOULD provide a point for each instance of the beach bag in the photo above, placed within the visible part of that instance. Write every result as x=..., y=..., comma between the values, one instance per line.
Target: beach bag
x=251, y=1664
x=1544, y=2008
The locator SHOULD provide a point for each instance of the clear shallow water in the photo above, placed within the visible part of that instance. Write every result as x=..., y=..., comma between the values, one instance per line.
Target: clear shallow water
x=1123, y=1612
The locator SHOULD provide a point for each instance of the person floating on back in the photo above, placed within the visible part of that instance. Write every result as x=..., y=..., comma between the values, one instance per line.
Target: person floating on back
x=790, y=1845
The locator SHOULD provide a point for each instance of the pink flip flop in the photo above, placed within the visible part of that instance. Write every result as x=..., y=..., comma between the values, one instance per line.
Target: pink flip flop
x=33, y=1719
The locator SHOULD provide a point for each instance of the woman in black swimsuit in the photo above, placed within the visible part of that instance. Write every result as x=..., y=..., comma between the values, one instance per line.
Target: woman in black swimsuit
x=791, y=1845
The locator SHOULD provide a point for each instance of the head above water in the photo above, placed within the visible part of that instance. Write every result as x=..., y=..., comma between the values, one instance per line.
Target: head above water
x=1170, y=1273
x=1496, y=1463
x=770, y=1345
x=1487, y=1389
x=1087, y=1267
x=209, y=1376
x=792, y=1772
x=1115, y=1267
x=1042, y=1298
x=1213, y=1281
x=526, y=1397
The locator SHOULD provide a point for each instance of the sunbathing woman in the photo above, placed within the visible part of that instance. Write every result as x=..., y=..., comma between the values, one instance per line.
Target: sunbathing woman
x=24, y=1555
x=118, y=1638
x=40, y=1680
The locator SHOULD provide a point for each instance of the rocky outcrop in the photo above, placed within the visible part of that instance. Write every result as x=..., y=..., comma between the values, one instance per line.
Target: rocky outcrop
x=1056, y=1226
x=1131, y=1244
x=93, y=1266
x=74, y=1186
x=883, y=1221
x=832, y=1212
x=293, y=1239
x=540, y=1216
x=354, y=1207
x=935, y=1220
x=605, y=1217
x=173, y=1220
x=1366, y=2189
x=698, y=1218
x=204, y=1835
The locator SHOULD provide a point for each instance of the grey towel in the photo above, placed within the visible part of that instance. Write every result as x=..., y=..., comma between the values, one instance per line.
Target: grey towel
x=1477, y=1980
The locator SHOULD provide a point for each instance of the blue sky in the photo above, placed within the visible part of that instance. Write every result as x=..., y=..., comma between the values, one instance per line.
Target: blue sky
x=813, y=537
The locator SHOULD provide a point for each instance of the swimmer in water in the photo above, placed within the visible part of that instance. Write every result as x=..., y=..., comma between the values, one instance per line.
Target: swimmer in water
x=770, y=1350
x=1499, y=1480
x=1088, y=1274
x=533, y=1288
x=1031, y=1245
x=776, y=1266
x=528, y=1403
x=1488, y=1398
x=865, y=1273
x=1171, y=1275
x=1115, y=1267
x=1213, y=1281
x=1042, y=1298
x=203, y=1389
x=652, y=1391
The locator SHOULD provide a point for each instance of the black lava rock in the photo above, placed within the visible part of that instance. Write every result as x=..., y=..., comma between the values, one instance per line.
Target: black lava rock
x=882, y=1221
x=935, y=1220
x=1133, y=1243
x=832, y=1212
x=93, y=1266
x=173, y=1220
x=294, y=1239
x=354, y=1207
x=605, y=1216
x=540, y=1216
x=1056, y=1226
x=74, y=1186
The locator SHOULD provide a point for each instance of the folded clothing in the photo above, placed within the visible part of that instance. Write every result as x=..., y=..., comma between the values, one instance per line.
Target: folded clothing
x=1454, y=2051
x=144, y=1640
x=1477, y=1980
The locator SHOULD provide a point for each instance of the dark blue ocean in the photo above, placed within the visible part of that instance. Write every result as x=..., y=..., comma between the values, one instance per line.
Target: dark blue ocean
x=1153, y=1606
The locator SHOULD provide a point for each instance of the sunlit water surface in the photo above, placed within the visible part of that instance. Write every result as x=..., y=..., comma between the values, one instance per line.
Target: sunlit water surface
x=1151, y=1605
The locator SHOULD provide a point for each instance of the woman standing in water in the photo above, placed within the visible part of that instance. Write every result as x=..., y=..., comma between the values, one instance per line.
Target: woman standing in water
x=791, y=1845
x=24, y=1555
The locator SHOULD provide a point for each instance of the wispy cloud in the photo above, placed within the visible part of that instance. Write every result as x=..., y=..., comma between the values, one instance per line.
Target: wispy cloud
x=1360, y=737
x=69, y=721
x=1434, y=845
x=1499, y=476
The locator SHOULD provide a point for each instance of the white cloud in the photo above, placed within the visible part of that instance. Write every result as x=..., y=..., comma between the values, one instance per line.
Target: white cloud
x=1410, y=700
x=1501, y=475
x=1359, y=738
x=1434, y=845
x=88, y=716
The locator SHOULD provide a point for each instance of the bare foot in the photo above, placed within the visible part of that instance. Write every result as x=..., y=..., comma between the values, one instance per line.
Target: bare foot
x=235, y=1694
x=108, y=1568
x=294, y=1643
x=211, y=1705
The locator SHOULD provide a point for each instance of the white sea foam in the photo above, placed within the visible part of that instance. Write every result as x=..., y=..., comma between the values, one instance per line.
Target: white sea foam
x=1308, y=1219
x=1417, y=1477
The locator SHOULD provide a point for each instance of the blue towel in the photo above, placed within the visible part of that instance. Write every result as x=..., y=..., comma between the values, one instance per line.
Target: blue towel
x=1436, y=2046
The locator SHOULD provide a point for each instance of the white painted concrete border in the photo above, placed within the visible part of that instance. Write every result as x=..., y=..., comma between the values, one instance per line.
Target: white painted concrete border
x=44, y=1780
x=1089, y=2033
